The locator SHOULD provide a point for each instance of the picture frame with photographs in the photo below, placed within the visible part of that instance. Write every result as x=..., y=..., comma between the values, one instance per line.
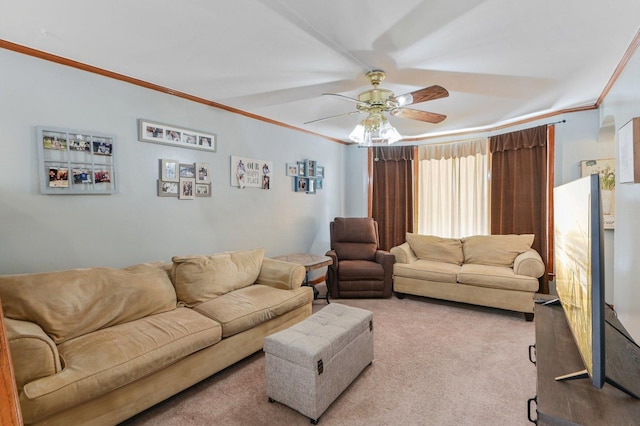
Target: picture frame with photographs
x=168, y=189
x=301, y=184
x=203, y=189
x=169, y=170
x=72, y=161
x=187, y=170
x=187, y=189
x=202, y=173
x=292, y=169
x=168, y=134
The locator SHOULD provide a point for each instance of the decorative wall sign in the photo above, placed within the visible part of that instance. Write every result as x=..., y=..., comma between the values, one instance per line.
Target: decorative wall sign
x=167, y=134
x=250, y=173
x=307, y=176
x=76, y=161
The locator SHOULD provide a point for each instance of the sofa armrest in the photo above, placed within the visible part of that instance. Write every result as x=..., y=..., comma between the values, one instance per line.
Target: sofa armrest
x=281, y=274
x=33, y=353
x=529, y=263
x=403, y=253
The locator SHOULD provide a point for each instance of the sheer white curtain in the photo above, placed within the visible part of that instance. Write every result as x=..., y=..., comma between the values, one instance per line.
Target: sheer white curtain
x=453, y=190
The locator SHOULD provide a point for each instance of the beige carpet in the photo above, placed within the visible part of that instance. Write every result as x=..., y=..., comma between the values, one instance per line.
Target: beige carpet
x=436, y=363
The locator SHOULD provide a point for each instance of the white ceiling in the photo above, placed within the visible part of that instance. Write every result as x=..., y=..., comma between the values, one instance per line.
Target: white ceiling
x=501, y=60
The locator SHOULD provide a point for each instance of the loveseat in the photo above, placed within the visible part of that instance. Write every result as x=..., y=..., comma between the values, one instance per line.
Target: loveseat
x=499, y=271
x=98, y=345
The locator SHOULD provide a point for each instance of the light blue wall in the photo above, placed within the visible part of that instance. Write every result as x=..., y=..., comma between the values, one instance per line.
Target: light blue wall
x=52, y=232
x=622, y=104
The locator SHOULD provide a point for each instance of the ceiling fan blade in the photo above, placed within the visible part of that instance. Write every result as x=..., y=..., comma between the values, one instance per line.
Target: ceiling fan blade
x=348, y=98
x=415, y=114
x=333, y=116
x=427, y=94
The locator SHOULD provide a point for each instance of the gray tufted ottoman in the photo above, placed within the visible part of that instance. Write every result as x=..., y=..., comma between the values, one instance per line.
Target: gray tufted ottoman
x=310, y=364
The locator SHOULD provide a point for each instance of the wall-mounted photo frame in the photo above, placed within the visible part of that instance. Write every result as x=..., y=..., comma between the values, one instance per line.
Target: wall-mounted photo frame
x=310, y=166
x=169, y=170
x=311, y=186
x=320, y=172
x=187, y=170
x=202, y=173
x=168, y=189
x=292, y=169
x=168, y=134
x=203, y=189
x=302, y=168
x=301, y=184
x=187, y=188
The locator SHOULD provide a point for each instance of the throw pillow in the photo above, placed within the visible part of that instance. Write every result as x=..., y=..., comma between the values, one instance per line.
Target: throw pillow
x=496, y=250
x=437, y=249
x=201, y=278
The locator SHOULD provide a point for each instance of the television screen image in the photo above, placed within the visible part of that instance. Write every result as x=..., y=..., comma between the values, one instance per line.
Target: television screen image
x=579, y=264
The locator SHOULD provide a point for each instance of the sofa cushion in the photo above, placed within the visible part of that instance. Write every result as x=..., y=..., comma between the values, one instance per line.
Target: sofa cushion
x=437, y=249
x=497, y=250
x=99, y=362
x=198, y=279
x=70, y=303
x=250, y=306
x=496, y=277
x=428, y=270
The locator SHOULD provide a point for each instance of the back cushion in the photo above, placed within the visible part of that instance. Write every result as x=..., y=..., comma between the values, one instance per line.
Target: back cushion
x=437, y=249
x=75, y=302
x=496, y=250
x=201, y=278
x=354, y=238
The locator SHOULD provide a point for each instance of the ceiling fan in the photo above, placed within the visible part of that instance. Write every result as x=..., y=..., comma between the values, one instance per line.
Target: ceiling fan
x=377, y=101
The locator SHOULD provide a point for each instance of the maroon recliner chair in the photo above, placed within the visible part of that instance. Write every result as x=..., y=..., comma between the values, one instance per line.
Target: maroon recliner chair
x=360, y=268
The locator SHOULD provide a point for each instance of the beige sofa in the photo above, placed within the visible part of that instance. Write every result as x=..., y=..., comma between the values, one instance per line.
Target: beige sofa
x=499, y=271
x=98, y=345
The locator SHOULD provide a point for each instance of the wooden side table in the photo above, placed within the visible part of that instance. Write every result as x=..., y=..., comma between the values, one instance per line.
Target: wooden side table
x=310, y=263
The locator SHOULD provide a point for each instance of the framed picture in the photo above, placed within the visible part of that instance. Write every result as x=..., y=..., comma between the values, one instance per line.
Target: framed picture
x=54, y=140
x=301, y=184
x=202, y=173
x=292, y=169
x=167, y=189
x=320, y=172
x=169, y=170
x=302, y=168
x=167, y=134
x=311, y=168
x=187, y=188
x=203, y=189
x=102, y=146
x=187, y=170
x=319, y=183
x=58, y=177
x=311, y=186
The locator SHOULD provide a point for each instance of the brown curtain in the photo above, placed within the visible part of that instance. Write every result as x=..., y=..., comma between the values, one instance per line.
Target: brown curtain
x=519, y=187
x=392, y=197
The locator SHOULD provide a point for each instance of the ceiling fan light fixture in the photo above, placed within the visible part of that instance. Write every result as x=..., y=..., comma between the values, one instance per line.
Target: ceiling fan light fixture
x=374, y=128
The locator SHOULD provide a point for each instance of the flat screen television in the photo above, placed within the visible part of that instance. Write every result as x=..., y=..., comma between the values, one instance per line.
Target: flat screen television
x=609, y=354
x=579, y=267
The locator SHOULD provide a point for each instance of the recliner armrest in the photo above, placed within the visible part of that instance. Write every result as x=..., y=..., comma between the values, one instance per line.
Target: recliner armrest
x=403, y=253
x=529, y=263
